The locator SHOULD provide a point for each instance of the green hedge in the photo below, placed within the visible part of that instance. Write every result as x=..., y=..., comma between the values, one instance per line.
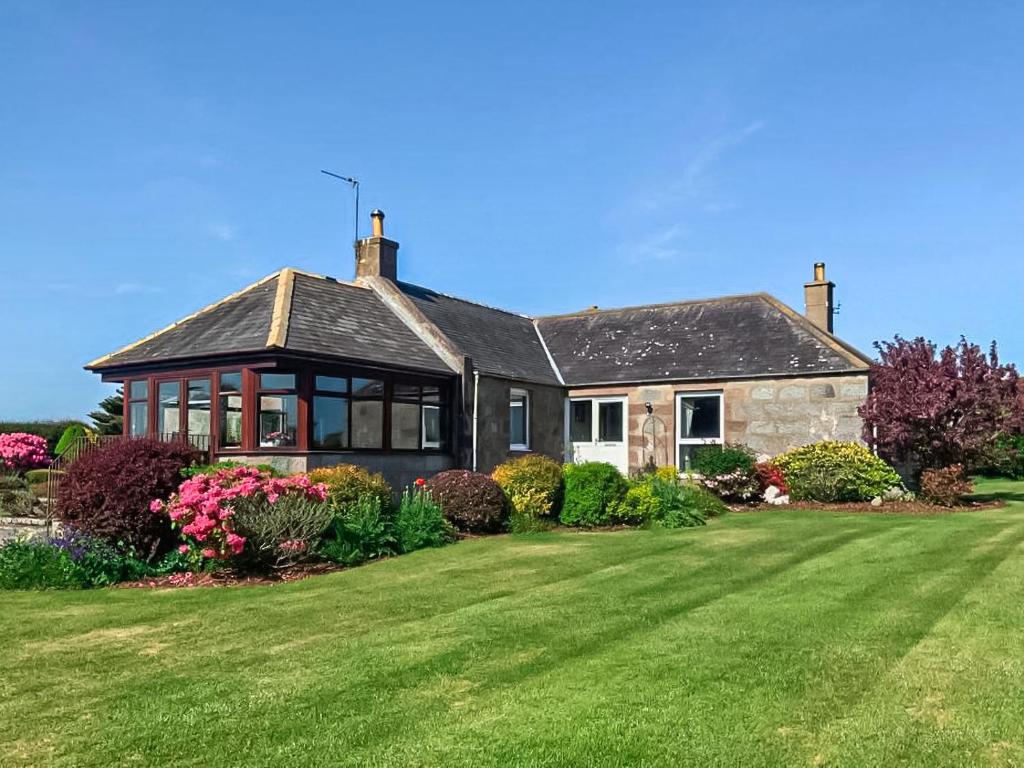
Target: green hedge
x=593, y=491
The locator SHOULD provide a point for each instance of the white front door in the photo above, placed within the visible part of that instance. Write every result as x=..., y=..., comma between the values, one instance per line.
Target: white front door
x=597, y=430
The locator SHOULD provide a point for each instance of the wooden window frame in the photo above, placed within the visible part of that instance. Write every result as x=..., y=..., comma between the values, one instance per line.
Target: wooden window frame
x=305, y=390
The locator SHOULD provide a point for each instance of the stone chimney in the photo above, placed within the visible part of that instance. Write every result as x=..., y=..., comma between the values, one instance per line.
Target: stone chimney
x=818, y=305
x=376, y=256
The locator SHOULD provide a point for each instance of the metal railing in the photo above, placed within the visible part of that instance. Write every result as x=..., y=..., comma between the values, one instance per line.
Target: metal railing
x=84, y=445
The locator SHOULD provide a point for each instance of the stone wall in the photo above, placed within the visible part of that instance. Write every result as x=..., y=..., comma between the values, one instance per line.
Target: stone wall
x=774, y=416
x=769, y=415
x=399, y=469
x=23, y=528
x=546, y=415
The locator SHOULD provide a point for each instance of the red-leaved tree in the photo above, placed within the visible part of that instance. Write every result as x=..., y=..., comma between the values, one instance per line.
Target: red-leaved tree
x=933, y=408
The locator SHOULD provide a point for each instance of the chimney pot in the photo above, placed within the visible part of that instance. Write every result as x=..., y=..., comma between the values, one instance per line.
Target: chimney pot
x=819, y=272
x=377, y=218
x=376, y=256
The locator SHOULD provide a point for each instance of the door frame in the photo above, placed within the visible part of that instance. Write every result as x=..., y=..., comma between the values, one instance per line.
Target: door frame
x=595, y=401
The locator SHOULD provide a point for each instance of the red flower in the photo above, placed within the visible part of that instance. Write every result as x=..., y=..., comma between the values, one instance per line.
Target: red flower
x=420, y=481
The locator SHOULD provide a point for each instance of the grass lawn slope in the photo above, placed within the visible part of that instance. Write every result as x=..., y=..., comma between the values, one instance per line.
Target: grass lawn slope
x=779, y=638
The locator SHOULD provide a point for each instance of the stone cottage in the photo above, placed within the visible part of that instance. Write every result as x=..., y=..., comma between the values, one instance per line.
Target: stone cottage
x=304, y=370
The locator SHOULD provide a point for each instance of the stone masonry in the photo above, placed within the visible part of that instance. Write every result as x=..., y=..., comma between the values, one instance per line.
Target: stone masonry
x=768, y=415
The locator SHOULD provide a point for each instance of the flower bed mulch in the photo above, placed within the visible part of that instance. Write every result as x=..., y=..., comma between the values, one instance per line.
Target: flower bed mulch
x=229, y=578
x=865, y=507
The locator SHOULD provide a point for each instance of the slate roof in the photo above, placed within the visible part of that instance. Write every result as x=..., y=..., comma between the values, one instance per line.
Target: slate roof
x=729, y=337
x=313, y=314
x=500, y=343
x=350, y=321
x=293, y=311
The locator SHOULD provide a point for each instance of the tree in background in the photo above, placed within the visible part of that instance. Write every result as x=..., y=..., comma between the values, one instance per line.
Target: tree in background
x=931, y=408
x=109, y=419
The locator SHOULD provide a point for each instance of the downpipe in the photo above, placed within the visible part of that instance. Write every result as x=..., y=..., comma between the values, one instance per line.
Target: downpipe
x=476, y=408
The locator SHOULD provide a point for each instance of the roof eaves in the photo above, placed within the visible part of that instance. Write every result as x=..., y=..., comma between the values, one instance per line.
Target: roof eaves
x=99, y=361
x=715, y=378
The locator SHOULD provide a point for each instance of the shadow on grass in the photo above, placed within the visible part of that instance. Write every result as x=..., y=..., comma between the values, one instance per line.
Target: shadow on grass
x=997, y=496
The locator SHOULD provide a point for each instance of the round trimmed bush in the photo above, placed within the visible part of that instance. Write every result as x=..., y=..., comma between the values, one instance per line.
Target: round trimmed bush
x=106, y=492
x=346, y=483
x=469, y=500
x=834, y=471
x=593, y=491
x=533, y=477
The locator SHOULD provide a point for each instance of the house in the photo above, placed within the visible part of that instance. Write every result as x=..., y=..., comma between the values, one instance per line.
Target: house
x=302, y=370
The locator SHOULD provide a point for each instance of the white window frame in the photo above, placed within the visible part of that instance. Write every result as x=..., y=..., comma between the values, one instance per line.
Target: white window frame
x=680, y=441
x=423, y=417
x=525, y=395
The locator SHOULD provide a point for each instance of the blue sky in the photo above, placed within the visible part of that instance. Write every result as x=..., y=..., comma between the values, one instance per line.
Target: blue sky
x=542, y=157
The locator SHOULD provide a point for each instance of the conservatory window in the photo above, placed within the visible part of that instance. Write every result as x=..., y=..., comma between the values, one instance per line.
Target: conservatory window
x=278, y=410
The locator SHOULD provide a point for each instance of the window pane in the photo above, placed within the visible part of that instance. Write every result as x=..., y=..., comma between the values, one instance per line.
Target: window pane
x=367, y=424
x=230, y=421
x=330, y=422
x=277, y=420
x=168, y=397
x=277, y=381
x=431, y=394
x=138, y=390
x=517, y=419
x=609, y=422
x=699, y=417
x=432, y=426
x=405, y=426
x=686, y=453
x=138, y=418
x=368, y=387
x=581, y=421
x=331, y=384
x=199, y=398
x=231, y=382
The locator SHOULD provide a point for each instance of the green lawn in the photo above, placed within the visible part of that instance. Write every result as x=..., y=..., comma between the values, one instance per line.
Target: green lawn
x=778, y=638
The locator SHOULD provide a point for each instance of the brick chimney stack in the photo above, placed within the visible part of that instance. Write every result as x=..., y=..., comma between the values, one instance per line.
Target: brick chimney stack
x=376, y=256
x=818, y=306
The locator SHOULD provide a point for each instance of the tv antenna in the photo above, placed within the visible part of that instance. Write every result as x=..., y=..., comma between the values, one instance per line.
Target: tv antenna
x=354, y=183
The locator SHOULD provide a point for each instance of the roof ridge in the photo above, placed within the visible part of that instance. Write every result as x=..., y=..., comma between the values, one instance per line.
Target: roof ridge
x=327, y=278
x=176, y=323
x=465, y=301
x=282, y=312
x=658, y=305
x=551, y=359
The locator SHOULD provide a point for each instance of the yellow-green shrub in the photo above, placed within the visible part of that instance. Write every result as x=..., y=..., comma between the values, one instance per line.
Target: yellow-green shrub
x=347, y=482
x=533, y=477
x=834, y=471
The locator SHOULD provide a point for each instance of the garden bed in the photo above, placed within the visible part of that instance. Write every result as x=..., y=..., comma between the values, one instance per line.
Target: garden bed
x=229, y=578
x=916, y=507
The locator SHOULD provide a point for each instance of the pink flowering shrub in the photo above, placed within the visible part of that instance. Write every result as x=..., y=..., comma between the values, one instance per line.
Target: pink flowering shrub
x=219, y=513
x=20, y=451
